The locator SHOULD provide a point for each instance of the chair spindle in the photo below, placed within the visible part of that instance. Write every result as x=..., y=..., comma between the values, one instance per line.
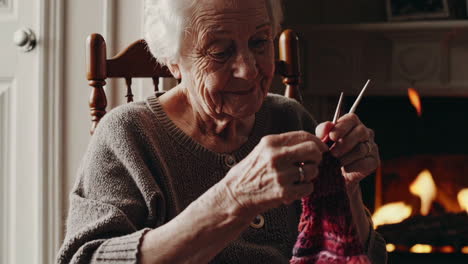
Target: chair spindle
x=96, y=75
x=290, y=64
x=156, y=83
x=129, y=95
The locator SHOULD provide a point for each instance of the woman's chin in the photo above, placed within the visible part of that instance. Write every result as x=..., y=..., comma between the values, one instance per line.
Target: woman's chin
x=244, y=105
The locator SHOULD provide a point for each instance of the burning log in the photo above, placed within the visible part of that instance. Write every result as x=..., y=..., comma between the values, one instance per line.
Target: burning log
x=441, y=230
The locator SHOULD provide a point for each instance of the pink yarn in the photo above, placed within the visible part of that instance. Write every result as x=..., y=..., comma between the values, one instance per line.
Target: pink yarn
x=327, y=234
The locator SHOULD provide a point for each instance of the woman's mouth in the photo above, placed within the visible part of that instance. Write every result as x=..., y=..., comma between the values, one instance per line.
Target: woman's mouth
x=243, y=92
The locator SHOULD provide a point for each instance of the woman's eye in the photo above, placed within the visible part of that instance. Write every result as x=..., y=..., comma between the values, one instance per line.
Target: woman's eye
x=222, y=54
x=259, y=44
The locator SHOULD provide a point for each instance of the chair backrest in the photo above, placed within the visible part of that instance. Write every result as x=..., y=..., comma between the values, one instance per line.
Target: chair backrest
x=136, y=61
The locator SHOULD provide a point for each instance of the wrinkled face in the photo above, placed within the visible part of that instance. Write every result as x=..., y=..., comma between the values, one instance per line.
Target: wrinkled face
x=227, y=59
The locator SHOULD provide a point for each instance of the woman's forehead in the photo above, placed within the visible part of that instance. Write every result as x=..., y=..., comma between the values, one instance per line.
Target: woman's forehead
x=230, y=3
x=221, y=13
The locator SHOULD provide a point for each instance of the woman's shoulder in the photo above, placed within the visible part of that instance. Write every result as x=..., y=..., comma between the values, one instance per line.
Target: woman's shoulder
x=280, y=106
x=125, y=117
x=281, y=102
x=287, y=111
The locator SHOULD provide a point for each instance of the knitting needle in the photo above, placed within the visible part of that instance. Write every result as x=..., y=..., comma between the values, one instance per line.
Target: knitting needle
x=327, y=140
x=358, y=99
x=338, y=109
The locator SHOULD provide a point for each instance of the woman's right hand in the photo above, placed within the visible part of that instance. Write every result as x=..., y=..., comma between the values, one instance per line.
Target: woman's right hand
x=269, y=175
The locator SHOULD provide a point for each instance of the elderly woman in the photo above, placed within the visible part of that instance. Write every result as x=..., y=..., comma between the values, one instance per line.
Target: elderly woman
x=207, y=172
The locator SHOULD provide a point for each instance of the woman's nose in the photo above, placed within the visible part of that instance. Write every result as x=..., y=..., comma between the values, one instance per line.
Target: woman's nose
x=245, y=66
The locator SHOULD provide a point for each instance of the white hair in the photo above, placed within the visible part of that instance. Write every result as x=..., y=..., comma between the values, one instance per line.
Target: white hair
x=166, y=22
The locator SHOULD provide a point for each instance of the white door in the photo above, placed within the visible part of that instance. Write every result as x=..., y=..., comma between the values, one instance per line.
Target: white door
x=21, y=141
x=19, y=121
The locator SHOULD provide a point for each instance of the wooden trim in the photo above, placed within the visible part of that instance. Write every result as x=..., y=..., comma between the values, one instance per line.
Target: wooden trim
x=50, y=199
x=11, y=204
x=108, y=22
x=109, y=33
x=5, y=170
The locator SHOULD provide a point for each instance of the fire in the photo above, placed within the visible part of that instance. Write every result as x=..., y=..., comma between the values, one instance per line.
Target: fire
x=421, y=248
x=464, y=250
x=447, y=249
x=425, y=188
x=463, y=199
x=391, y=213
x=415, y=100
x=390, y=247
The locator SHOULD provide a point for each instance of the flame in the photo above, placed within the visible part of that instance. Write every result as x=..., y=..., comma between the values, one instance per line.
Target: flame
x=464, y=250
x=447, y=249
x=421, y=248
x=425, y=188
x=463, y=199
x=390, y=247
x=391, y=213
x=415, y=100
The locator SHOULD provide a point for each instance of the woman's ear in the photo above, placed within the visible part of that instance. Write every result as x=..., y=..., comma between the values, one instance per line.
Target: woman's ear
x=175, y=70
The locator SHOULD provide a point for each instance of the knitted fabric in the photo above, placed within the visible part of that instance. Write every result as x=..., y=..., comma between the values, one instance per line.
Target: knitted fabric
x=327, y=234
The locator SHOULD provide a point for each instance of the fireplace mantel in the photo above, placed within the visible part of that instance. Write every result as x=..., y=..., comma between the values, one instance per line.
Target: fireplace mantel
x=431, y=56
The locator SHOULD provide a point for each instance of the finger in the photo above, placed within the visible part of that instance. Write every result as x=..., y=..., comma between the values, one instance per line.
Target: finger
x=361, y=168
x=287, y=139
x=322, y=130
x=358, y=152
x=292, y=175
x=344, y=125
x=296, y=192
x=310, y=172
x=357, y=135
x=308, y=152
x=303, y=189
x=292, y=138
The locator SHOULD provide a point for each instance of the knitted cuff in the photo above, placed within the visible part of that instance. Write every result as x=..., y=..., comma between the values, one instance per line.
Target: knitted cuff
x=371, y=236
x=377, y=251
x=120, y=250
x=375, y=246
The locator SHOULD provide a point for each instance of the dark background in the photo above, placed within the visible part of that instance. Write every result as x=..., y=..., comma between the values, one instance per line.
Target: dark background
x=408, y=7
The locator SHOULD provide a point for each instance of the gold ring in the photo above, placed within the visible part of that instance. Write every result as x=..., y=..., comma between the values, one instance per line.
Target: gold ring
x=369, y=148
x=301, y=173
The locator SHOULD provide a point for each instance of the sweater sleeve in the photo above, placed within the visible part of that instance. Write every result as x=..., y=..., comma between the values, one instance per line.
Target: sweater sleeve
x=376, y=245
x=113, y=200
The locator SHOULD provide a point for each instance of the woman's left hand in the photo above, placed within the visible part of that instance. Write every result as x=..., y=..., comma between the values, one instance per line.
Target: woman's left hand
x=354, y=147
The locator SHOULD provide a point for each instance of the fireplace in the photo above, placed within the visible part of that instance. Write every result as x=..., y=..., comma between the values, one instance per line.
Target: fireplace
x=419, y=193
x=424, y=155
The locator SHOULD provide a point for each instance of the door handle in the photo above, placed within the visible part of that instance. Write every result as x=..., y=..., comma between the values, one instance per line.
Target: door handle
x=25, y=39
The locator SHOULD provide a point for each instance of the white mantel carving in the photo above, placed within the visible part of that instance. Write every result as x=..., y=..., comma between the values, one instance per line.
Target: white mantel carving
x=429, y=56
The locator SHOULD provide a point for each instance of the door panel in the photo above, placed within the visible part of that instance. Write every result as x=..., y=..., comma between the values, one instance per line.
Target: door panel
x=19, y=135
x=5, y=157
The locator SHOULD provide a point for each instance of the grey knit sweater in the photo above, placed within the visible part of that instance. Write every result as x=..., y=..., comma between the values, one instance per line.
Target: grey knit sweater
x=140, y=171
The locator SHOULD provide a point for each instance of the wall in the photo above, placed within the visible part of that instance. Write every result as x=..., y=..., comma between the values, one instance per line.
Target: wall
x=334, y=11
x=344, y=43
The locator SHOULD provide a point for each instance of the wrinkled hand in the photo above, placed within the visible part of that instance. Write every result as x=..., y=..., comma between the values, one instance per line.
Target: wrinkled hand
x=268, y=176
x=354, y=147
